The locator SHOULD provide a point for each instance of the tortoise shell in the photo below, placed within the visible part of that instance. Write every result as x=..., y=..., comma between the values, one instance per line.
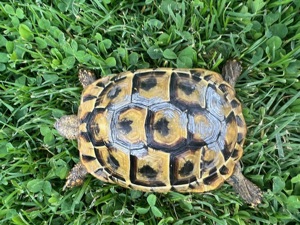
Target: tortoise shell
x=161, y=129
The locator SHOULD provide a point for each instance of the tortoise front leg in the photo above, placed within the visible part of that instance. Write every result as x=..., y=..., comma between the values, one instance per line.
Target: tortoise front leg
x=76, y=176
x=86, y=77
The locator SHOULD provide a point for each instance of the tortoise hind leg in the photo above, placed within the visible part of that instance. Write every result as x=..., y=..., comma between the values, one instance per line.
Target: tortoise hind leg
x=231, y=71
x=86, y=77
x=245, y=188
x=76, y=176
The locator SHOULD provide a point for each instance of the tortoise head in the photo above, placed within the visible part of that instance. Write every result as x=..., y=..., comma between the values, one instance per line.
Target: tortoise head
x=68, y=126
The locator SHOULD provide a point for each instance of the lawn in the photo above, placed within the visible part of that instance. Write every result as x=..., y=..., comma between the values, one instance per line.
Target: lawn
x=42, y=45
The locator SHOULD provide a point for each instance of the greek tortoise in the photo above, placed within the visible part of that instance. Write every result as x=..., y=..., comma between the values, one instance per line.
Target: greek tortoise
x=161, y=130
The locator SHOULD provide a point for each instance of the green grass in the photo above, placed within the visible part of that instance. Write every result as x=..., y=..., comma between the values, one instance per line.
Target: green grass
x=42, y=45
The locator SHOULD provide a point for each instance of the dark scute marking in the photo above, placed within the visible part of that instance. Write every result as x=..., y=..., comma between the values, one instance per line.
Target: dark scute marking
x=93, y=128
x=192, y=186
x=98, y=101
x=97, y=143
x=196, y=78
x=187, y=169
x=149, y=83
x=86, y=118
x=227, y=151
x=224, y=170
x=86, y=136
x=96, y=129
x=201, y=169
x=88, y=97
x=173, y=189
x=133, y=168
x=125, y=125
x=148, y=122
x=187, y=87
x=114, y=92
x=99, y=157
x=212, y=86
x=223, y=87
x=239, y=121
x=235, y=153
x=197, y=74
x=234, y=103
x=116, y=177
x=113, y=162
x=205, y=165
x=109, y=145
x=210, y=179
x=148, y=172
x=240, y=138
x=180, y=74
x=230, y=118
x=106, y=88
x=212, y=170
x=194, y=145
x=88, y=158
x=100, y=84
x=173, y=87
x=208, y=77
x=162, y=126
x=101, y=173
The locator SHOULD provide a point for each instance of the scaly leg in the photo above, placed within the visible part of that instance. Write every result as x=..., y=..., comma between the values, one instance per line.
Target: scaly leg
x=245, y=188
x=86, y=77
x=231, y=71
x=76, y=176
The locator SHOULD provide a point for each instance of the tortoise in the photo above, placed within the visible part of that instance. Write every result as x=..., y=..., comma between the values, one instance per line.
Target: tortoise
x=161, y=130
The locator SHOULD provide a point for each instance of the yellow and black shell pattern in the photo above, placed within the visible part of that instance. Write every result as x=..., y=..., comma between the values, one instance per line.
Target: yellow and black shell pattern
x=161, y=129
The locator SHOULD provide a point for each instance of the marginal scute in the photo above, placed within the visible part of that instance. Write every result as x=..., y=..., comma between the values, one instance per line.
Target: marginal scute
x=161, y=129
